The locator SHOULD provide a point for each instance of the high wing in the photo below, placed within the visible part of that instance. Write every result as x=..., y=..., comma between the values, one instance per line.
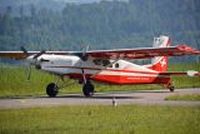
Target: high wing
x=139, y=53
x=21, y=55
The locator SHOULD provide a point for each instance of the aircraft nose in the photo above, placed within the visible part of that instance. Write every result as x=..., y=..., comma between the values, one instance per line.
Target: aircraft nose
x=30, y=59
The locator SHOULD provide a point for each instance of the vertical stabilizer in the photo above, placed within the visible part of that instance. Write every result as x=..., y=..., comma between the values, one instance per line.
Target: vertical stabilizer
x=160, y=63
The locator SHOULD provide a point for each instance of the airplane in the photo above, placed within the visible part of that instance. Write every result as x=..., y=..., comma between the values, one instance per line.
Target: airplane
x=108, y=66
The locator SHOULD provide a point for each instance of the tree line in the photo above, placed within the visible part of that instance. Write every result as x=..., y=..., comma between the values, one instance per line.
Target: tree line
x=103, y=25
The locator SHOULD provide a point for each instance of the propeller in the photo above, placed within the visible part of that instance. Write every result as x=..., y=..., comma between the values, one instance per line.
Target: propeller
x=83, y=55
x=39, y=54
x=27, y=65
x=31, y=61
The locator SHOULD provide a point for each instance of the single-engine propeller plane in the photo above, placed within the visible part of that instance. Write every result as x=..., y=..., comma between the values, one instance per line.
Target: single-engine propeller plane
x=109, y=66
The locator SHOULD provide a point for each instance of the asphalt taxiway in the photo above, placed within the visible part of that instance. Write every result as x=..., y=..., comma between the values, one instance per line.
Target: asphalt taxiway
x=141, y=97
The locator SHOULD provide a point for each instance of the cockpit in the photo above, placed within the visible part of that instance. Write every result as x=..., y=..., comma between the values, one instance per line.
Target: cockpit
x=105, y=63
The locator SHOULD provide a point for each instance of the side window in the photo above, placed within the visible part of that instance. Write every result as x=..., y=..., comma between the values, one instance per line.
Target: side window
x=110, y=66
x=105, y=62
x=100, y=62
x=116, y=65
x=97, y=61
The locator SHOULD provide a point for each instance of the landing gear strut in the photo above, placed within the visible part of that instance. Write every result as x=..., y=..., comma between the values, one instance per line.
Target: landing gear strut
x=52, y=90
x=88, y=89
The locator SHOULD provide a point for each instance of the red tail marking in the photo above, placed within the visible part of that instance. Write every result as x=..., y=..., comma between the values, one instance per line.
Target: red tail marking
x=161, y=63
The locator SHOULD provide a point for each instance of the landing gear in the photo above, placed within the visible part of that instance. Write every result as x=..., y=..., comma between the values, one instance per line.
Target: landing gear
x=52, y=90
x=169, y=85
x=171, y=88
x=88, y=89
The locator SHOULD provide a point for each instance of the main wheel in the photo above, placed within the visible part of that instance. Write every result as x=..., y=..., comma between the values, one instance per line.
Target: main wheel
x=88, y=89
x=52, y=90
x=171, y=88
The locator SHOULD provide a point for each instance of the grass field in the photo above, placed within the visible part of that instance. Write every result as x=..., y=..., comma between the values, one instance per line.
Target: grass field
x=128, y=119
x=13, y=82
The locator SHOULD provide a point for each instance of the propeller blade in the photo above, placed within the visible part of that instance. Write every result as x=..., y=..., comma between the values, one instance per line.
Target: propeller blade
x=84, y=56
x=39, y=54
x=24, y=50
x=29, y=73
x=87, y=48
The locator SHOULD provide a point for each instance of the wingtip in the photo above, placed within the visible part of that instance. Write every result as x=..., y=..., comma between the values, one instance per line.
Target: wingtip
x=186, y=48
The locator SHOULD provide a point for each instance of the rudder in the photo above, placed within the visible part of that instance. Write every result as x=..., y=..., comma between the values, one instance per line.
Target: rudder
x=160, y=63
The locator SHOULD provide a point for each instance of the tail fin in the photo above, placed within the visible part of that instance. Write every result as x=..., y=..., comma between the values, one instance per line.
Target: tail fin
x=160, y=63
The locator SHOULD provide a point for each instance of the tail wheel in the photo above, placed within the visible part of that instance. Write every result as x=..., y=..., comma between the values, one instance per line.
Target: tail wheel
x=170, y=86
x=52, y=90
x=88, y=89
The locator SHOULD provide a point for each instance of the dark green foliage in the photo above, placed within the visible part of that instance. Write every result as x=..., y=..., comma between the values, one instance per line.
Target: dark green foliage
x=119, y=24
x=102, y=25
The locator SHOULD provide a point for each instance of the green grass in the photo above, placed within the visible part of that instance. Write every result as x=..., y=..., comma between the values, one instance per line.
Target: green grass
x=187, y=97
x=13, y=82
x=185, y=81
x=128, y=119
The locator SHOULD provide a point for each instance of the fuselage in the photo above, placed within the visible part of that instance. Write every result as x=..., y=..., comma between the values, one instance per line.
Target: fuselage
x=105, y=70
x=102, y=70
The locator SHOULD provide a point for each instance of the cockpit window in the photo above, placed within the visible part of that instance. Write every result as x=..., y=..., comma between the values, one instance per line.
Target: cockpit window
x=97, y=62
x=100, y=62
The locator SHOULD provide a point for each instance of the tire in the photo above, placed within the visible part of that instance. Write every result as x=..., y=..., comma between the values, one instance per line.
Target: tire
x=52, y=90
x=171, y=88
x=88, y=89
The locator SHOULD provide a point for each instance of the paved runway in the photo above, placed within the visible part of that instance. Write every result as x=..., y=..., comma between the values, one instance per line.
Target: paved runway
x=143, y=97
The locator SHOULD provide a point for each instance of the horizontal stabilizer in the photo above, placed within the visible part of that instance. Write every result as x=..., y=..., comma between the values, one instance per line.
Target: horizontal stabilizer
x=193, y=73
x=190, y=73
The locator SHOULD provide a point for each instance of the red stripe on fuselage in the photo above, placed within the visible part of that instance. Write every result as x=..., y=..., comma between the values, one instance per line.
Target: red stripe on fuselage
x=117, y=79
x=143, y=77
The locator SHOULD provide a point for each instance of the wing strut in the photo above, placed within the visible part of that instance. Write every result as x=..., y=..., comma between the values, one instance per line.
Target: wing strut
x=83, y=74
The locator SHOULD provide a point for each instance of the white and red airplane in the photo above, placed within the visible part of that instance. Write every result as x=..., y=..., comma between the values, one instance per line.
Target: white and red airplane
x=109, y=66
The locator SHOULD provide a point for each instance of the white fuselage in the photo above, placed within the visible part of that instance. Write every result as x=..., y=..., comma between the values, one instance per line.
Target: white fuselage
x=64, y=65
x=103, y=70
